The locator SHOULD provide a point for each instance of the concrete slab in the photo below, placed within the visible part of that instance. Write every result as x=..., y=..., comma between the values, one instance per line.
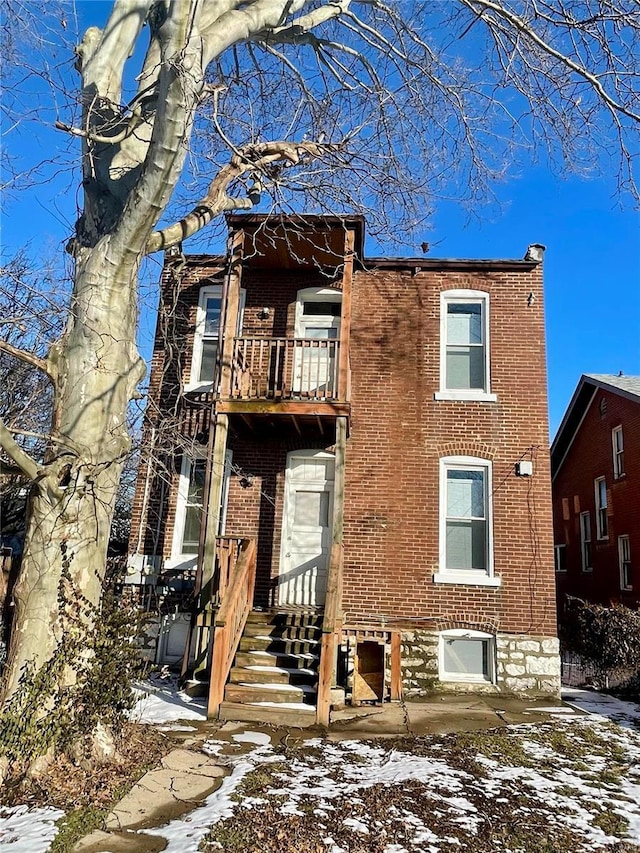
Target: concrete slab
x=184, y=779
x=120, y=842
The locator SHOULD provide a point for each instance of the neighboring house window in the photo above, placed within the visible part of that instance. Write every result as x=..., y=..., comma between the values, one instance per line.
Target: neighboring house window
x=207, y=334
x=467, y=656
x=464, y=330
x=466, y=554
x=624, y=559
x=602, y=529
x=561, y=558
x=618, y=452
x=585, y=541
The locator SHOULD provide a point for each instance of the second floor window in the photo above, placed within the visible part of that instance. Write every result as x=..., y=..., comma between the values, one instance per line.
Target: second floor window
x=207, y=333
x=464, y=359
x=618, y=452
x=602, y=528
x=585, y=541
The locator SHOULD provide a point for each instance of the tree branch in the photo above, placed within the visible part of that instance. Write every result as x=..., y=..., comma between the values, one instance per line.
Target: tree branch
x=251, y=158
x=27, y=464
x=29, y=358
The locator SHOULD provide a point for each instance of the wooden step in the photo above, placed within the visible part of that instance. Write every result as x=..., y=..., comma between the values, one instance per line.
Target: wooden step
x=287, y=617
x=272, y=693
x=289, y=717
x=254, y=674
x=260, y=657
x=288, y=632
x=263, y=642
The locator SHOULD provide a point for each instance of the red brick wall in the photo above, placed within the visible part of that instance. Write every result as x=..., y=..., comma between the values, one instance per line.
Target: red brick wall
x=591, y=456
x=398, y=434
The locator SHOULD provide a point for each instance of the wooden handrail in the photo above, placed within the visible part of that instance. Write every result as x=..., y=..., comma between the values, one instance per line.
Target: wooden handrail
x=285, y=368
x=230, y=621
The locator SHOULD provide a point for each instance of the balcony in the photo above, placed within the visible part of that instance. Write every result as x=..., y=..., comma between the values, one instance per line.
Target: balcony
x=303, y=377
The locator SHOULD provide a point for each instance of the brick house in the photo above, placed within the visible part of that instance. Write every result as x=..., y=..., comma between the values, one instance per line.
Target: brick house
x=595, y=459
x=376, y=459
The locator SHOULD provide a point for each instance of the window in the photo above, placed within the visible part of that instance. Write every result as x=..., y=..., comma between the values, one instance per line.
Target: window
x=467, y=656
x=585, y=541
x=624, y=560
x=464, y=358
x=560, y=552
x=207, y=334
x=189, y=506
x=618, y=452
x=602, y=530
x=465, y=522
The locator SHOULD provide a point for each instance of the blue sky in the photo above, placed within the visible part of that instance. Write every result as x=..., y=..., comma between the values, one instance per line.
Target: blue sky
x=592, y=263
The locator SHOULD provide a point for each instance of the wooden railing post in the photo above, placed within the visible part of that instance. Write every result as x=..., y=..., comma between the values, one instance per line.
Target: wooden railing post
x=331, y=623
x=345, y=317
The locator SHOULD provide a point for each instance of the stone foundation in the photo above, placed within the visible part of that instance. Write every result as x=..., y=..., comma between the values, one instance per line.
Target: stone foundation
x=525, y=665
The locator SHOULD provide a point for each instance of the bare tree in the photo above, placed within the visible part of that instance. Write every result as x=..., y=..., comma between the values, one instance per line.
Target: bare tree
x=334, y=104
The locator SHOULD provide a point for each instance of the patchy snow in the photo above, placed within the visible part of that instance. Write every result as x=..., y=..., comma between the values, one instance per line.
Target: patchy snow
x=258, y=738
x=25, y=830
x=625, y=713
x=162, y=702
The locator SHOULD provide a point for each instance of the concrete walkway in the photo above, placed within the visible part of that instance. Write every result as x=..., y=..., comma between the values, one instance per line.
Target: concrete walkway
x=187, y=776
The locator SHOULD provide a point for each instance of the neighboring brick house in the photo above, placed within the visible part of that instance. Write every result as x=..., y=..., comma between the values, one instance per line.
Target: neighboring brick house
x=595, y=460
x=378, y=439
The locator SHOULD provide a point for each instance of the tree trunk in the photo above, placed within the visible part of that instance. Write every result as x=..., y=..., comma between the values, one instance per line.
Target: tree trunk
x=71, y=505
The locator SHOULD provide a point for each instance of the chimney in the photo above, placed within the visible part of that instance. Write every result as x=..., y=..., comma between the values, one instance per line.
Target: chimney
x=535, y=253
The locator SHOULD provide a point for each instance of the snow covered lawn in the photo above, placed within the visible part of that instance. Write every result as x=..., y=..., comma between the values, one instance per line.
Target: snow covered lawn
x=569, y=785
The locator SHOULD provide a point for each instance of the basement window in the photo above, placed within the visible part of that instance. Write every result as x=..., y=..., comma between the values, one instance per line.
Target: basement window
x=467, y=656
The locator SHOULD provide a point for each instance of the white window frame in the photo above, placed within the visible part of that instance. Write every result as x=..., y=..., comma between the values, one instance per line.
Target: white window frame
x=557, y=551
x=467, y=678
x=482, y=395
x=584, y=541
x=624, y=558
x=618, y=452
x=466, y=576
x=602, y=522
x=215, y=290
x=178, y=558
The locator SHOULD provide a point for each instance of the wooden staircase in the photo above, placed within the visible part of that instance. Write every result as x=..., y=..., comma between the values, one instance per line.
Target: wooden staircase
x=275, y=672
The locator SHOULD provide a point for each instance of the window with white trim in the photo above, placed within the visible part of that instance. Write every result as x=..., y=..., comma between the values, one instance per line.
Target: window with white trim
x=560, y=554
x=189, y=506
x=602, y=526
x=624, y=561
x=466, y=547
x=585, y=541
x=207, y=334
x=467, y=656
x=617, y=442
x=464, y=350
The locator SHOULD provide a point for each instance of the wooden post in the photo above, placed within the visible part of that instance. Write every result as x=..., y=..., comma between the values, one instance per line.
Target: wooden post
x=333, y=602
x=230, y=310
x=345, y=317
x=396, y=666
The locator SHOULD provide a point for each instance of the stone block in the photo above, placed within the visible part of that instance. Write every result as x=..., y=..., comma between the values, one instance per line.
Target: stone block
x=528, y=646
x=544, y=665
x=514, y=669
x=551, y=646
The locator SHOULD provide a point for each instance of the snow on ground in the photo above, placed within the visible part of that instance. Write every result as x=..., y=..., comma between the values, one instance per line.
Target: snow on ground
x=25, y=830
x=161, y=702
x=562, y=771
x=623, y=713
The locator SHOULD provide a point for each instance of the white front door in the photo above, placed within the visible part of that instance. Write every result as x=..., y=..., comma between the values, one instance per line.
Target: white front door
x=306, y=528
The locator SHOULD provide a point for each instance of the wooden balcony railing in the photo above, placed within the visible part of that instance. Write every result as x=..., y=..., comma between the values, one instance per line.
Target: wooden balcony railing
x=230, y=620
x=286, y=369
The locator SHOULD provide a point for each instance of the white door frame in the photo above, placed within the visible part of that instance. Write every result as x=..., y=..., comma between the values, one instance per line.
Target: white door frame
x=290, y=591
